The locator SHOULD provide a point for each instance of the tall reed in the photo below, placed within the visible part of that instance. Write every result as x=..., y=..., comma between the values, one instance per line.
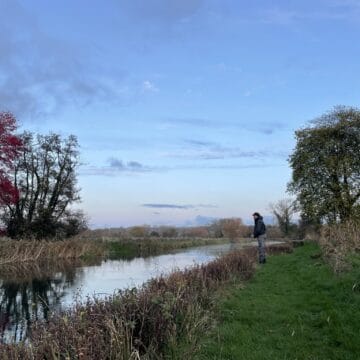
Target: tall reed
x=340, y=240
x=14, y=252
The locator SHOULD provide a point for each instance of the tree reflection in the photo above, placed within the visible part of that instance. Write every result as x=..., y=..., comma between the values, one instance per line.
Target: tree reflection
x=31, y=293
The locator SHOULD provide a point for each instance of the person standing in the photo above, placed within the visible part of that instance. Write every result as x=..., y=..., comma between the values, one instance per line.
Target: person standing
x=260, y=235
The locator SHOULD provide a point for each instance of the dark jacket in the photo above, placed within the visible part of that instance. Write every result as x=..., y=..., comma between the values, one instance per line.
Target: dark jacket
x=259, y=228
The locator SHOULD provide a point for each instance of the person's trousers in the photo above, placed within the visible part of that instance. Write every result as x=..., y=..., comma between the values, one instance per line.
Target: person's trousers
x=261, y=245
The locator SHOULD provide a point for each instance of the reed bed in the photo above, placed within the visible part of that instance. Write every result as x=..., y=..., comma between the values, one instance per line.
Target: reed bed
x=25, y=272
x=339, y=241
x=145, y=323
x=15, y=252
x=153, y=246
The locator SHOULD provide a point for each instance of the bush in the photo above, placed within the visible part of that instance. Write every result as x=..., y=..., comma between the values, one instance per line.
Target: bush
x=340, y=240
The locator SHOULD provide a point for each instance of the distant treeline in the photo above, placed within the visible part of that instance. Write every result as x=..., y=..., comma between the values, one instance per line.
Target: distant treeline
x=231, y=228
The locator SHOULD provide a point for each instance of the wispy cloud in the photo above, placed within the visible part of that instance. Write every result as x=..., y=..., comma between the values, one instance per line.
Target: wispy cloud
x=207, y=150
x=329, y=10
x=161, y=10
x=198, y=122
x=117, y=166
x=352, y=4
x=177, y=206
x=39, y=74
x=260, y=126
x=128, y=166
x=267, y=128
x=92, y=170
x=200, y=143
x=223, y=67
x=149, y=87
x=279, y=16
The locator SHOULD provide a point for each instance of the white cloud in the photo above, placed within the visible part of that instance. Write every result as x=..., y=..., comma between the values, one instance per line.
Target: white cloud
x=148, y=86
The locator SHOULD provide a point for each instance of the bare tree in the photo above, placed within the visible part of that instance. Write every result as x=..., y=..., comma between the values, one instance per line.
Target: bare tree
x=45, y=175
x=284, y=211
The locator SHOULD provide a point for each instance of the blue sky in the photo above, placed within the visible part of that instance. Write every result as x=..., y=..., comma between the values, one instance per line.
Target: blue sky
x=184, y=109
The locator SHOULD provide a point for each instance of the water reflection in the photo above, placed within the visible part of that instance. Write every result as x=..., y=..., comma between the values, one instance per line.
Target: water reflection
x=31, y=292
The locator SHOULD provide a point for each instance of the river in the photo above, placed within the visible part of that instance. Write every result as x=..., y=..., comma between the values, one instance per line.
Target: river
x=28, y=293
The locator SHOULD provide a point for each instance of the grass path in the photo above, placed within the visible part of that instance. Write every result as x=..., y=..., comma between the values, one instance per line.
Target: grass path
x=294, y=308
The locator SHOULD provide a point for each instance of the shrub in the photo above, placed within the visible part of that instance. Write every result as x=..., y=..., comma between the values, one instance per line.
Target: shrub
x=338, y=241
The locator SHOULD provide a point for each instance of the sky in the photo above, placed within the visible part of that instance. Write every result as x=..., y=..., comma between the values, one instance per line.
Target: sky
x=185, y=110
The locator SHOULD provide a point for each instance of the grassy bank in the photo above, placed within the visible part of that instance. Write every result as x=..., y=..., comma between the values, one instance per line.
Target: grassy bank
x=295, y=307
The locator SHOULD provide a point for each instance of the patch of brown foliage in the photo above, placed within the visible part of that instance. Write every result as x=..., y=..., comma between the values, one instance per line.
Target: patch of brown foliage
x=339, y=240
x=14, y=252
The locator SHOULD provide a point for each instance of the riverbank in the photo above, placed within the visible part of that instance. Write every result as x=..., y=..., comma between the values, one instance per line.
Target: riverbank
x=295, y=307
x=15, y=252
x=130, y=248
x=142, y=323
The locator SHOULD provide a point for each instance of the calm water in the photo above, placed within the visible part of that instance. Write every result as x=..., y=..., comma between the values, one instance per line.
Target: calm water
x=35, y=292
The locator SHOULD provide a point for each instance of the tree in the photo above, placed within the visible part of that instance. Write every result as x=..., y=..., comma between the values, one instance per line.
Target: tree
x=168, y=232
x=197, y=232
x=45, y=175
x=139, y=231
x=283, y=211
x=326, y=166
x=232, y=228
x=215, y=229
x=10, y=146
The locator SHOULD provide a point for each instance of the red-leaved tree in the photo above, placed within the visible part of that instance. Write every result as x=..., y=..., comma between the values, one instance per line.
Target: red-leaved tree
x=10, y=145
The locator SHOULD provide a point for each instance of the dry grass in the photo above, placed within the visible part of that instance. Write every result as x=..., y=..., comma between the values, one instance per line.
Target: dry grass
x=338, y=241
x=15, y=252
x=119, y=244
x=279, y=248
x=25, y=272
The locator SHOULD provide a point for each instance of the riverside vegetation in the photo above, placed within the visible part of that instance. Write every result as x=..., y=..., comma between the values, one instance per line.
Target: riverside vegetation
x=152, y=322
x=15, y=252
x=85, y=247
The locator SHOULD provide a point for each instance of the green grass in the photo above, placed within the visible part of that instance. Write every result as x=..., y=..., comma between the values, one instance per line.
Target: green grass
x=294, y=308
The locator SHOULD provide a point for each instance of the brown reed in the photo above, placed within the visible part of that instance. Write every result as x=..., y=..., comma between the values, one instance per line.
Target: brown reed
x=338, y=241
x=14, y=252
